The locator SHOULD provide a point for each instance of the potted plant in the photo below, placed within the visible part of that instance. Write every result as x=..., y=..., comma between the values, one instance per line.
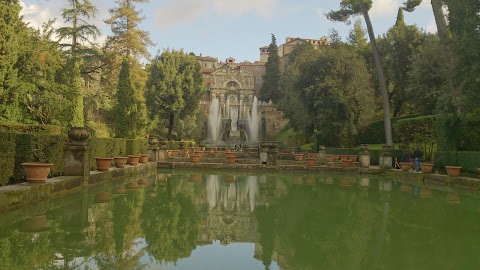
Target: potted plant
x=426, y=167
x=120, y=162
x=133, y=159
x=346, y=163
x=144, y=158
x=36, y=172
x=103, y=163
x=194, y=158
x=405, y=166
x=299, y=156
x=453, y=171
x=311, y=161
x=231, y=159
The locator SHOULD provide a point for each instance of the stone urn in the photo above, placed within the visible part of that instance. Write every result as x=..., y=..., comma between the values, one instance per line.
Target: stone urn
x=152, y=140
x=453, y=171
x=405, y=166
x=120, y=162
x=144, y=158
x=78, y=134
x=133, y=159
x=36, y=172
x=103, y=163
x=426, y=167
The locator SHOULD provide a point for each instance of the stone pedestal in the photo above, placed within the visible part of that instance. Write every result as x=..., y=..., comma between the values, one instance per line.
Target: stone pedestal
x=77, y=160
x=77, y=154
x=364, y=156
x=386, y=158
x=153, y=153
x=322, y=156
x=263, y=155
x=268, y=153
x=183, y=152
x=162, y=152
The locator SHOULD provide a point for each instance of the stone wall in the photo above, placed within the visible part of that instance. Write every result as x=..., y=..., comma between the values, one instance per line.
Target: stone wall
x=275, y=122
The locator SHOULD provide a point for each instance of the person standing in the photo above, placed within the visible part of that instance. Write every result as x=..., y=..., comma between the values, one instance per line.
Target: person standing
x=417, y=157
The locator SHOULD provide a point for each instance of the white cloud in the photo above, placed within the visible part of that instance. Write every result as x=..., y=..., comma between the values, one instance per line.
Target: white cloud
x=384, y=8
x=176, y=12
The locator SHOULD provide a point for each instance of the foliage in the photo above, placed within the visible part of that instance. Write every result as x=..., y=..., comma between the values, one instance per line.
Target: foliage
x=374, y=153
x=271, y=78
x=125, y=108
x=333, y=86
x=10, y=25
x=349, y=8
x=174, y=87
x=397, y=48
x=419, y=131
x=77, y=92
x=288, y=137
x=17, y=148
x=456, y=133
x=468, y=160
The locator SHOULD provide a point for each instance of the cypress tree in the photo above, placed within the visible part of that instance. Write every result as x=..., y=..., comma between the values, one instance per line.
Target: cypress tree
x=76, y=86
x=271, y=78
x=125, y=108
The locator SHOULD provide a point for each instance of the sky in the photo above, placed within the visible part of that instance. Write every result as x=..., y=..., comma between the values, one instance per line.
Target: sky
x=232, y=28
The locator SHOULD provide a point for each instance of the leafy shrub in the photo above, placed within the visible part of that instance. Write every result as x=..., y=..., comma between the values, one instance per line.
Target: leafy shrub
x=468, y=160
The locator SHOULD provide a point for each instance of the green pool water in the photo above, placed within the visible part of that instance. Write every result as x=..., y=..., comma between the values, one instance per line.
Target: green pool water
x=187, y=220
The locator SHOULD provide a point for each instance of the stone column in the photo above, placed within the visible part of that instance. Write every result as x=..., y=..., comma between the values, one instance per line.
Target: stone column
x=153, y=148
x=386, y=158
x=364, y=156
x=77, y=154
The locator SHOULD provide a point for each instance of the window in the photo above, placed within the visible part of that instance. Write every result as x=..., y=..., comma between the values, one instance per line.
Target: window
x=258, y=80
x=258, y=68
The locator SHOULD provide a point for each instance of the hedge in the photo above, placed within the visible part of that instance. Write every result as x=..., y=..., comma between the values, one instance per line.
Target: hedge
x=418, y=131
x=374, y=154
x=468, y=160
x=33, y=129
x=17, y=148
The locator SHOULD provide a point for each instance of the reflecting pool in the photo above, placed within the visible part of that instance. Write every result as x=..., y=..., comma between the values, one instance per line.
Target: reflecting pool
x=187, y=220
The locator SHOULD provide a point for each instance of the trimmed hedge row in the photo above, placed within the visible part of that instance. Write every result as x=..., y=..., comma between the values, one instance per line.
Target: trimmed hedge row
x=374, y=154
x=35, y=129
x=469, y=161
x=17, y=148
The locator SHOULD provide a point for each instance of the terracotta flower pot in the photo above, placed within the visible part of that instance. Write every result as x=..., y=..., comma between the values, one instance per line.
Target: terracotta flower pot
x=231, y=159
x=195, y=178
x=453, y=171
x=353, y=158
x=120, y=162
x=103, y=197
x=299, y=157
x=405, y=166
x=346, y=163
x=311, y=162
x=194, y=158
x=144, y=158
x=103, y=164
x=36, y=172
x=133, y=159
x=37, y=223
x=132, y=185
x=426, y=167
x=344, y=157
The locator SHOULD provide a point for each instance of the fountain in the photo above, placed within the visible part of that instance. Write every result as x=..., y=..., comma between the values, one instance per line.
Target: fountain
x=233, y=123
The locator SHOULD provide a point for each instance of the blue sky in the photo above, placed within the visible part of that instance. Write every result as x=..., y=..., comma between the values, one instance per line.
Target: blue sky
x=233, y=28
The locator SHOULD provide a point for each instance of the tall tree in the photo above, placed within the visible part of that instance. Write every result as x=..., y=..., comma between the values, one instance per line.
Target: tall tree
x=350, y=8
x=174, y=87
x=357, y=38
x=80, y=31
x=271, y=78
x=130, y=42
x=397, y=48
x=10, y=24
x=125, y=108
x=76, y=88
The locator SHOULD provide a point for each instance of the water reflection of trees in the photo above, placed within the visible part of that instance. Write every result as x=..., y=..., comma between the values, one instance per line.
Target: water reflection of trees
x=170, y=222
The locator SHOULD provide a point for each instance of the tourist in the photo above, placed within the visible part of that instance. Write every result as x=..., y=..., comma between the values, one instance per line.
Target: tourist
x=417, y=157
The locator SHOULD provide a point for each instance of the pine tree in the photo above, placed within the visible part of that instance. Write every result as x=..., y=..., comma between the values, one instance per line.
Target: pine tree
x=129, y=42
x=271, y=79
x=125, y=109
x=10, y=25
